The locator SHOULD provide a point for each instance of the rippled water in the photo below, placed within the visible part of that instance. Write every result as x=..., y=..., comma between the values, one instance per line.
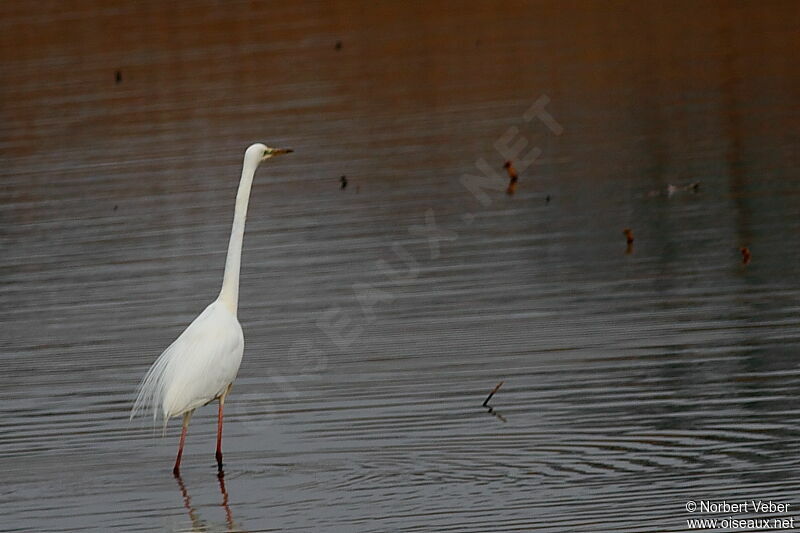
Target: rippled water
x=377, y=318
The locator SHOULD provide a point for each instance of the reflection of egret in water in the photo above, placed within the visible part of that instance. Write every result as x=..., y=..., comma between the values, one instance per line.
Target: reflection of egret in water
x=199, y=524
x=228, y=513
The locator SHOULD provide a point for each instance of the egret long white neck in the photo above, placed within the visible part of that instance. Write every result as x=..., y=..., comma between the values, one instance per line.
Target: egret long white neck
x=229, y=295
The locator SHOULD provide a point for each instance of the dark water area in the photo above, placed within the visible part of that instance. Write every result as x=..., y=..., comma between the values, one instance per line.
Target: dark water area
x=378, y=317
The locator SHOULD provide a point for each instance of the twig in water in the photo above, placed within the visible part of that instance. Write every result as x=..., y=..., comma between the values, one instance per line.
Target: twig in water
x=495, y=389
x=746, y=255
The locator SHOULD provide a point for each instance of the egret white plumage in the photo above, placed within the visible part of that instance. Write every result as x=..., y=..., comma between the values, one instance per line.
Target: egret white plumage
x=201, y=364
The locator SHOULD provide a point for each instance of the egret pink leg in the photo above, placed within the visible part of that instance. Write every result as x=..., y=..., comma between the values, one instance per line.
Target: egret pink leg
x=219, y=428
x=177, y=469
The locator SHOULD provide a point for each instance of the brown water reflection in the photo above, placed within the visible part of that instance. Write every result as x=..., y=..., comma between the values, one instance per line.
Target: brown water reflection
x=633, y=382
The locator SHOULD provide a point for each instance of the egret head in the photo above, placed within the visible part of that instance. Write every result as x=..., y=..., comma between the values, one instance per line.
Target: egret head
x=258, y=152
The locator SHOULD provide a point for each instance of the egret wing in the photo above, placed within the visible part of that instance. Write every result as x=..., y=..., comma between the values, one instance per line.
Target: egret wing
x=196, y=368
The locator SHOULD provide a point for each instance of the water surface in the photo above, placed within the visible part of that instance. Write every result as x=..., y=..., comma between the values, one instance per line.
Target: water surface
x=633, y=381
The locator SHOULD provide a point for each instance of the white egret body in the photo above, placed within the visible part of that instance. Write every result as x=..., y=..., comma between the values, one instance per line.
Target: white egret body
x=201, y=364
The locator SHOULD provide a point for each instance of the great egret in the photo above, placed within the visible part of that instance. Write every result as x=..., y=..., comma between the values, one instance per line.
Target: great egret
x=201, y=364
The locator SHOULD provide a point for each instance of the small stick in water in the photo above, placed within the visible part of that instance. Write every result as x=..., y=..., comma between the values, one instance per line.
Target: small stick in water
x=746, y=255
x=628, y=235
x=629, y=238
x=343, y=181
x=512, y=174
x=495, y=389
